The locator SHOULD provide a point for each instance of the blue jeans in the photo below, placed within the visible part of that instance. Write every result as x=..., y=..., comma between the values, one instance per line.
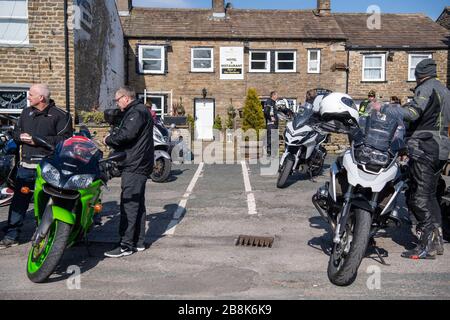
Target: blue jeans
x=20, y=202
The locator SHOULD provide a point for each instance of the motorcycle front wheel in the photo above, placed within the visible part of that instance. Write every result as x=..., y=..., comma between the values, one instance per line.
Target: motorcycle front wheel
x=45, y=256
x=346, y=256
x=161, y=171
x=285, y=171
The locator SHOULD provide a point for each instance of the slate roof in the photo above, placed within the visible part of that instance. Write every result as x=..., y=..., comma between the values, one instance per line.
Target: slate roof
x=397, y=30
x=238, y=24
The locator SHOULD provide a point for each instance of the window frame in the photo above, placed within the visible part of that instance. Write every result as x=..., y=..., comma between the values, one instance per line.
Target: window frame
x=22, y=19
x=383, y=67
x=207, y=70
x=294, y=70
x=410, y=56
x=319, y=57
x=268, y=61
x=141, y=60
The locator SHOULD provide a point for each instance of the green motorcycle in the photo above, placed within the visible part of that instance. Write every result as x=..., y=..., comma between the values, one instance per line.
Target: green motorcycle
x=67, y=195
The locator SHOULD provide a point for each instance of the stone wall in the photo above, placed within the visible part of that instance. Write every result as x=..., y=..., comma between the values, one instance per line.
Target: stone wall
x=43, y=59
x=187, y=85
x=396, y=83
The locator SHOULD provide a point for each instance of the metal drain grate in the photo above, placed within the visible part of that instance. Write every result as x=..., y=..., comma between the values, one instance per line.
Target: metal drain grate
x=264, y=242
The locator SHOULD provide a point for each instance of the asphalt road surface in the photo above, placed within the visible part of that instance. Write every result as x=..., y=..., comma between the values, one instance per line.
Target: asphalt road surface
x=193, y=223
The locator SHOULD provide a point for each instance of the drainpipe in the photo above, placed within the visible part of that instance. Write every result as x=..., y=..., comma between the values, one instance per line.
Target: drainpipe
x=66, y=51
x=347, y=72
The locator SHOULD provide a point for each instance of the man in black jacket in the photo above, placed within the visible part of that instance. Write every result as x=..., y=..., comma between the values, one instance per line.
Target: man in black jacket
x=135, y=137
x=42, y=119
x=271, y=115
x=429, y=147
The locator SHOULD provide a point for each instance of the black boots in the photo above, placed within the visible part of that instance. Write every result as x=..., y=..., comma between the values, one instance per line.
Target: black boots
x=426, y=248
x=439, y=241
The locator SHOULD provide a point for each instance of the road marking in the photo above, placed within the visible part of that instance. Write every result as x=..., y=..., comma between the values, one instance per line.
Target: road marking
x=182, y=205
x=251, y=202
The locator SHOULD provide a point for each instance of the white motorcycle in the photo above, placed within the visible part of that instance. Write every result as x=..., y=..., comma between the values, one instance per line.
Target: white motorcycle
x=304, y=151
x=360, y=198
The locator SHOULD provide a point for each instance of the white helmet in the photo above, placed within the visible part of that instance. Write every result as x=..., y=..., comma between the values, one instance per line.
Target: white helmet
x=282, y=103
x=340, y=107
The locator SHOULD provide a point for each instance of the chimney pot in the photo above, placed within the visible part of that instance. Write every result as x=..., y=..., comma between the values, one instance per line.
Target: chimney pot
x=324, y=7
x=124, y=7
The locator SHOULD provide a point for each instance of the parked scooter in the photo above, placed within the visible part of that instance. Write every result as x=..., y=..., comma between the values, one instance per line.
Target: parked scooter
x=304, y=149
x=163, y=148
x=365, y=182
x=67, y=195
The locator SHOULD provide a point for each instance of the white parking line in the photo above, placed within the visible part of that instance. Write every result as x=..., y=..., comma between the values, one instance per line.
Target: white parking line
x=251, y=202
x=182, y=205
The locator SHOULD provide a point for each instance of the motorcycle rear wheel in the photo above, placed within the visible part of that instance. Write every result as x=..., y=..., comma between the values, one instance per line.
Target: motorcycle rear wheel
x=346, y=256
x=162, y=170
x=44, y=258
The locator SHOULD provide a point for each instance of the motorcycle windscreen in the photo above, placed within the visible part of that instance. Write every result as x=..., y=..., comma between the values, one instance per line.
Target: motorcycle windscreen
x=80, y=149
x=302, y=117
x=379, y=131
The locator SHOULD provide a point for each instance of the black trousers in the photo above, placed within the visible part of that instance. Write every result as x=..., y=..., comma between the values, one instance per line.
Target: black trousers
x=270, y=127
x=422, y=195
x=132, y=210
x=20, y=202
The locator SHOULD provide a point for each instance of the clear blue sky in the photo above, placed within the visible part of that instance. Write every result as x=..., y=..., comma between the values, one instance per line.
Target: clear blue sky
x=432, y=8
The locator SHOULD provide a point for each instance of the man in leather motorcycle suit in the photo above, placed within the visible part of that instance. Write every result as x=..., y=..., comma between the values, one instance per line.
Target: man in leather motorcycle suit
x=429, y=146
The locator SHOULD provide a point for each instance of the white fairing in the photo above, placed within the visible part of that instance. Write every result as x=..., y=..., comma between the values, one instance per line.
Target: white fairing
x=290, y=139
x=316, y=103
x=310, y=145
x=366, y=180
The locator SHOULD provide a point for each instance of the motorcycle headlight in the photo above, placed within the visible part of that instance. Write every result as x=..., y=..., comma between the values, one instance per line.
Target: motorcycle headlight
x=50, y=174
x=302, y=134
x=81, y=181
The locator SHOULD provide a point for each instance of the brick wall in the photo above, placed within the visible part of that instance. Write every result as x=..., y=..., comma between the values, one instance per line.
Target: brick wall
x=43, y=59
x=189, y=85
x=396, y=83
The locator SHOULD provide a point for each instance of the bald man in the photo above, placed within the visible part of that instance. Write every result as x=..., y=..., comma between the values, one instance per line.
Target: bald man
x=42, y=118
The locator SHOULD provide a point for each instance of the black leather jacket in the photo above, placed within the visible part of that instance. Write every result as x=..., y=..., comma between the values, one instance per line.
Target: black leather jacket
x=135, y=137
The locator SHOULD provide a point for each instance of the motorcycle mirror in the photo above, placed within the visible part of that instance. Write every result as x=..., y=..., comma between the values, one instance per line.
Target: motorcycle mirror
x=119, y=156
x=41, y=142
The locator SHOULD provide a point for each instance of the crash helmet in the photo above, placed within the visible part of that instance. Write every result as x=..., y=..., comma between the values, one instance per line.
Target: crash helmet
x=282, y=104
x=339, y=107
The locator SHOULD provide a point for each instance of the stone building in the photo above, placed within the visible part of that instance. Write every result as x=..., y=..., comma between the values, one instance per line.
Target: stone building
x=208, y=58
x=81, y=60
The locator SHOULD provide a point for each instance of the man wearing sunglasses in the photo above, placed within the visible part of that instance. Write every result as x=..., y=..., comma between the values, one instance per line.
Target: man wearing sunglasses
x=134, y=136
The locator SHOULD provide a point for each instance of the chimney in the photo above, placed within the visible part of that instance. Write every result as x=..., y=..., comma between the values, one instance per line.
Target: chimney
x=323, y=7
x=218, y=7
x=124, y=7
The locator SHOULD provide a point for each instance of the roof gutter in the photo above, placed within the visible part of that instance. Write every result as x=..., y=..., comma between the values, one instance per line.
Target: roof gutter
x=401, y=48
x=242, y=38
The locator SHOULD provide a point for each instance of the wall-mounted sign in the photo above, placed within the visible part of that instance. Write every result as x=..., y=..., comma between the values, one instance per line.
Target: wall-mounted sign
x=12, y=101
x=232, y=63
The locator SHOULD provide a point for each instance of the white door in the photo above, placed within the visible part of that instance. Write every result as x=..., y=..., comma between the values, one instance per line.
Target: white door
x=204, y=119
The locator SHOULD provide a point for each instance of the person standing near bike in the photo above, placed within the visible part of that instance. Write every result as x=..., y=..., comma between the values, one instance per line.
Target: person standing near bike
x=45, y=120
x=271, y=116
x=428, y=142
x=134, y=137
